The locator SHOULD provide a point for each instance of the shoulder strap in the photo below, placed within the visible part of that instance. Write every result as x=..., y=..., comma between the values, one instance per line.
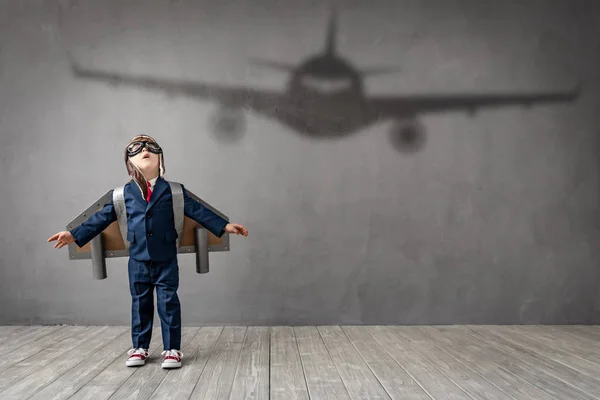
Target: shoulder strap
x=178, y=208
x=118, y=198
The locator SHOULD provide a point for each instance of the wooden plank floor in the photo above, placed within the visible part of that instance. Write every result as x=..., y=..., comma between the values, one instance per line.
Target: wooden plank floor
x=307, y=362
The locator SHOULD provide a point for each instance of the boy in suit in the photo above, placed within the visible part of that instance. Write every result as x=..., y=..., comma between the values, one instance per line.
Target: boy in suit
x=152, y=239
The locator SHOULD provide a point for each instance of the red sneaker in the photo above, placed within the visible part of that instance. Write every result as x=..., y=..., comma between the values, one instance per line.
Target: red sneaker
x=172, y=359
x=137, y=357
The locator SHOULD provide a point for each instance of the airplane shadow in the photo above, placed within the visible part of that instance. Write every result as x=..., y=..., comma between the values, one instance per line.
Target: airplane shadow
x=319, y=116
x=228, y=125
x=324, y=98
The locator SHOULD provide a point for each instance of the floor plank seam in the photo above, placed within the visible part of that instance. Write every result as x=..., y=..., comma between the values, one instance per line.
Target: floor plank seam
x=477, y=374
x=432, y=364
x=333, y=362
x=301, y=363
x=366, y=363
x=210, y=354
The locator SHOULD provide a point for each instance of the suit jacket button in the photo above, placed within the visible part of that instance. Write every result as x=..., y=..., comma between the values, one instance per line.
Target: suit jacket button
x=149, y=233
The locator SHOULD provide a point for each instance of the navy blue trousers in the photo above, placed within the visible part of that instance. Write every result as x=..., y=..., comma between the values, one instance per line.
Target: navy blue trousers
x=144, y=277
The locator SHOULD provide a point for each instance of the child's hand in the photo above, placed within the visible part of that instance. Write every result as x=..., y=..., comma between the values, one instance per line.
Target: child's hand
x=236, y=229
x=63, y=237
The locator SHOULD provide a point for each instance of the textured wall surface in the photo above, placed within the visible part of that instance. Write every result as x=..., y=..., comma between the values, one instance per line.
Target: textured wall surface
x=492, y=218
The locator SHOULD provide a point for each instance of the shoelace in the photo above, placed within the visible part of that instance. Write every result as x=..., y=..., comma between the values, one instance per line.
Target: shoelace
x=173, y=353
x=137, y=351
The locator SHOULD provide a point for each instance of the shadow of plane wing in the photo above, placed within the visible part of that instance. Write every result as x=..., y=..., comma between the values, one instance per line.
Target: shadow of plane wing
x=258, y=100
x=414, y=105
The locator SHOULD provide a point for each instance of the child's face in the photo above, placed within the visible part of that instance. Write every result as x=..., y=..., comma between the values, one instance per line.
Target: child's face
x=147, y=161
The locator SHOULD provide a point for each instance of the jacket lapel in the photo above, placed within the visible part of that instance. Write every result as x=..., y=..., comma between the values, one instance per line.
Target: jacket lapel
x=159, y=187
x=135, y=191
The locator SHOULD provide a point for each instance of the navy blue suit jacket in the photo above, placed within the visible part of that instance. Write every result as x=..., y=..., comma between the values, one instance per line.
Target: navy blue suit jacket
x=150, y=225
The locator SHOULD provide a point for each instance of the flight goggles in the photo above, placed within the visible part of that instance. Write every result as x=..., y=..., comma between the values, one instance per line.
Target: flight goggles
x=136, y=147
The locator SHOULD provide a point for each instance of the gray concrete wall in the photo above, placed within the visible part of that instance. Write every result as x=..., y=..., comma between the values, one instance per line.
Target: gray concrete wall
x=492, y=219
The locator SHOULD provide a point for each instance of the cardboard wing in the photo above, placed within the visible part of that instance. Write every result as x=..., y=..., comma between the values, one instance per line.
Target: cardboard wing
x=109, y=243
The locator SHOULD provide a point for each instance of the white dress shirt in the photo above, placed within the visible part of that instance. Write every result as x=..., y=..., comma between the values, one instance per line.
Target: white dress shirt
x=152, y=182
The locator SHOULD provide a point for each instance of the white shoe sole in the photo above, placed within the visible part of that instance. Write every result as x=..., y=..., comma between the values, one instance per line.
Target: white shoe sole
x=135, y=363
x=169, y=365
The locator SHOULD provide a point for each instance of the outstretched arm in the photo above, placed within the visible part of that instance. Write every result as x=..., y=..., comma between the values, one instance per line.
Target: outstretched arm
x=89, y=229
x=208, y=219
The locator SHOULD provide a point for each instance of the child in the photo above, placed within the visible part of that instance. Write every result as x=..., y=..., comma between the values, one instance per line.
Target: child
x=153, y=252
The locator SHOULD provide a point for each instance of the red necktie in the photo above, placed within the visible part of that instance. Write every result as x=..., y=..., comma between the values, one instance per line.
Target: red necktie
x=149, y=192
